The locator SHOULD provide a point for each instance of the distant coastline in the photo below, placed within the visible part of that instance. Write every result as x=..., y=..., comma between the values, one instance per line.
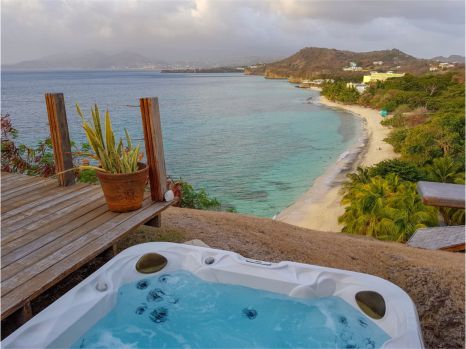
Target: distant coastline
x=319, y=207
x=205, y=70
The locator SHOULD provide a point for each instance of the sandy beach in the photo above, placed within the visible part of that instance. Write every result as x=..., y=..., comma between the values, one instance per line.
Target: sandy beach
x=319, y=207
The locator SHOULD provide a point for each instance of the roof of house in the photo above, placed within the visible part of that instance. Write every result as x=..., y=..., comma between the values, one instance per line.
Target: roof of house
x=438, y=238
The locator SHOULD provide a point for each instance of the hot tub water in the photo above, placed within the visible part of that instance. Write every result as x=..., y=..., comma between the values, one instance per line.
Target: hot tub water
x=179, y=310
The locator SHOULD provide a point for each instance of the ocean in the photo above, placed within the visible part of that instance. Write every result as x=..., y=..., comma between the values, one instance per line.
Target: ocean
x=254, y=144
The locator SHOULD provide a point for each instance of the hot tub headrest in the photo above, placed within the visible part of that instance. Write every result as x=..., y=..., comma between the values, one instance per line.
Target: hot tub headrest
x=151, y=263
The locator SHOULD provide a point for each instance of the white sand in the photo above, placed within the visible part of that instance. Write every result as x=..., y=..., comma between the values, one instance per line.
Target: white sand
x=319, y=208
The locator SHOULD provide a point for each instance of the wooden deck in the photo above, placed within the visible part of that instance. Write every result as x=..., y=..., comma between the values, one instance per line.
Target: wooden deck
x=49, y=231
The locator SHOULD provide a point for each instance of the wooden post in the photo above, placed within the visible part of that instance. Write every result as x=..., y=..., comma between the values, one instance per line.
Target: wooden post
x=154, y=147
x=60, y=137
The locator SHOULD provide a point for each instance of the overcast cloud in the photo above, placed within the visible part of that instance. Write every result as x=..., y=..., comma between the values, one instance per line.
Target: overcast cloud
x=219, y=29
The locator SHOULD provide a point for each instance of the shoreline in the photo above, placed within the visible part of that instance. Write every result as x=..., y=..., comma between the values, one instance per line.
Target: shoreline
x=319, y=207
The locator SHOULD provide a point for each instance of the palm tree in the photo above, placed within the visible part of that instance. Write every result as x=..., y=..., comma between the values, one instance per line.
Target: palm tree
x=366, y=208
x=445, y=170
x=387, y=209
x=409, y=212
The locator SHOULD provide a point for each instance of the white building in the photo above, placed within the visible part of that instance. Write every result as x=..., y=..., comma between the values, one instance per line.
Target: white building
x=352, y=68
x=377, y=63
x=357, y=86
x=446, y=65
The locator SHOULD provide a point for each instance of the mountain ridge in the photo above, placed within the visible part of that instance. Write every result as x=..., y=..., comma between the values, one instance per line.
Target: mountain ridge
x=450, y=59
x=91, y=59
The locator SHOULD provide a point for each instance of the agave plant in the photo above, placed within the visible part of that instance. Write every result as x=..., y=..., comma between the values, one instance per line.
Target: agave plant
x=113, y=157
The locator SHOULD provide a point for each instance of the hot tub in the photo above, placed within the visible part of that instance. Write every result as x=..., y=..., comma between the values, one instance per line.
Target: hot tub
x=206, y=297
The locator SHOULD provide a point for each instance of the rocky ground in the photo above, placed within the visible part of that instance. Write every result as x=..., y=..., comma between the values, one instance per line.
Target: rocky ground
x=433, y=279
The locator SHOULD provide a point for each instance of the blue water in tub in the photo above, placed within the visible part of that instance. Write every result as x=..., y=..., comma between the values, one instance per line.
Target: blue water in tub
x=179, y=310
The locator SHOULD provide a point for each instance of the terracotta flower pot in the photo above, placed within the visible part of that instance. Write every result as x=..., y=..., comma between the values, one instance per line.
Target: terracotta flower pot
x=124, y=192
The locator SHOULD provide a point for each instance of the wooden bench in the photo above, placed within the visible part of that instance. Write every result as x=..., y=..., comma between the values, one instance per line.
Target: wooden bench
x=50, y=229
x=442, y=194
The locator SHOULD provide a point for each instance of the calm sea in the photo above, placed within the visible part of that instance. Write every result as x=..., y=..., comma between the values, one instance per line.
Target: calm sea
x=253, y=143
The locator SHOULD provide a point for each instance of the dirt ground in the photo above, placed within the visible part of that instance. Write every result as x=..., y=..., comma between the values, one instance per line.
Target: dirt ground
x=433, y=279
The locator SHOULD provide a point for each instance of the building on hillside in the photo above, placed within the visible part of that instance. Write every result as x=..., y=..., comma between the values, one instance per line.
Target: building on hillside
x=377, y=63
x=433, y=68
x=357, y=86
x=316, y=82
x=446, y=65
x=353, y=66
x=376, y=76
x=352, y=69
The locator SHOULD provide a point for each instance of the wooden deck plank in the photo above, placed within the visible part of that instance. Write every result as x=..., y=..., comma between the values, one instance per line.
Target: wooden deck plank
x=53, y=226
x=45, y=198
x=40, y=282
x=9, y=183
x=35, y=198
x=36, y=213
x=61, y=248
x=18, y=261
x=29, y=188
x=9, y=204
x=13, y=180
x=53, y=231
x=31, y=191
x=442, y=194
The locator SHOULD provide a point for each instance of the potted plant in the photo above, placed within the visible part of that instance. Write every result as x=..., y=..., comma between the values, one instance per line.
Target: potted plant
x=121, y=175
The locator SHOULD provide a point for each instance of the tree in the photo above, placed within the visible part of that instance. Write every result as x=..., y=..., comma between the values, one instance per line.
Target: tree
x=404, y=169
x=385, y=208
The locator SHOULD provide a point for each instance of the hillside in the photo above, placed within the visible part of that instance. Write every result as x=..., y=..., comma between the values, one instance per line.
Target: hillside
x=314, y=62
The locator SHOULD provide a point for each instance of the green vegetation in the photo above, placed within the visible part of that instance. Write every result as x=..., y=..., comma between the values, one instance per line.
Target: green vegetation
x=385, y=208
x=428, y=131
x=402, y=168
x=112, y=157
x=33, y=161
x=198, y=199
x=338, y=91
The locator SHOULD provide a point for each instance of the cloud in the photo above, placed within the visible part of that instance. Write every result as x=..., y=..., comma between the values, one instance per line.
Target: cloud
x=221, y=29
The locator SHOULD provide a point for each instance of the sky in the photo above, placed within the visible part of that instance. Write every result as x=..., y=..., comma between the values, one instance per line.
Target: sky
x=174, y=30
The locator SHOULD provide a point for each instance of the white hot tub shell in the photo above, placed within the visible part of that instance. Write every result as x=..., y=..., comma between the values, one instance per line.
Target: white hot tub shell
x=64, y=321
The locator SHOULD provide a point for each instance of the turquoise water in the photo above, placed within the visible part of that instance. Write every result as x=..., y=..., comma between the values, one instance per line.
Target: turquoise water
x=255, y=144
x=179, y=310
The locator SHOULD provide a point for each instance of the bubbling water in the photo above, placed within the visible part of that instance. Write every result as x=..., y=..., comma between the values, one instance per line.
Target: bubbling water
x=179, y=310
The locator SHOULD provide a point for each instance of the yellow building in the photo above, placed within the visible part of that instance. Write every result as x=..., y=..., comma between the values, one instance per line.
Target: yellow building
x=380, y=76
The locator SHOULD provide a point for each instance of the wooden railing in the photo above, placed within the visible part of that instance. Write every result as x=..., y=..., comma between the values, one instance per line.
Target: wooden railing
x=60, y=138
x=152, y=139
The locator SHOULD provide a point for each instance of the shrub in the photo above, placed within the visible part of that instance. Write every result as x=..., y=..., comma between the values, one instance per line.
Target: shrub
x=404, y=169
x=34, y=161
x=198, y=199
